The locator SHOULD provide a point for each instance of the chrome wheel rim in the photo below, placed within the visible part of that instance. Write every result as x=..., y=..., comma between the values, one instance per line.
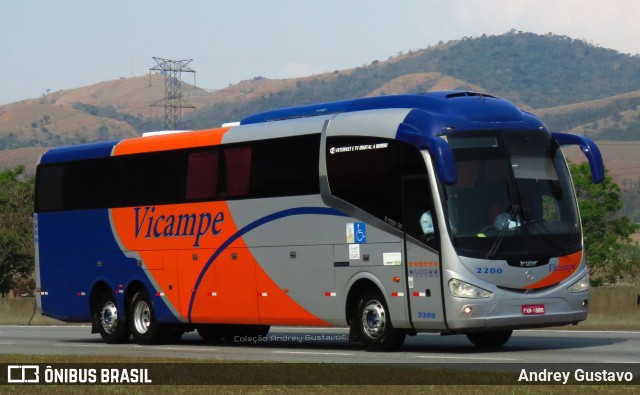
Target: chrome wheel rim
x=109, y=318
x=374, y=319
x=141, y=317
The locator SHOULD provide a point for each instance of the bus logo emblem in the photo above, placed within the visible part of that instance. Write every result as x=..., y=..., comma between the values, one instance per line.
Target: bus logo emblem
x=529, y=275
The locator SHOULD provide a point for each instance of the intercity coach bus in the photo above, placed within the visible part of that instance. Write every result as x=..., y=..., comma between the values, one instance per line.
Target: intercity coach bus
x=449, y=212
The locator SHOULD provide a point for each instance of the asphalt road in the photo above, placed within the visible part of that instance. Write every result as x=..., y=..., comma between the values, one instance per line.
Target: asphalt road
x=286, y=344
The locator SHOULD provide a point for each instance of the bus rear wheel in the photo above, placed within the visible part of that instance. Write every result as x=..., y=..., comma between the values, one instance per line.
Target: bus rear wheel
x=112, y=329
x=143, y=325
x=489, y=339
x=374, y=324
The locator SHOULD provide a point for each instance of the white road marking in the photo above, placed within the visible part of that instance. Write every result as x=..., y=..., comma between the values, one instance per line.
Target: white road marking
x=467, y=358
x=344, y=354
x=193, y=349
x=83, y=345
x=551, y=331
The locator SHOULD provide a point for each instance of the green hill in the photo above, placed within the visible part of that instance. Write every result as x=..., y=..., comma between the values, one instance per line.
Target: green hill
x=571, y=84
x=531, y=70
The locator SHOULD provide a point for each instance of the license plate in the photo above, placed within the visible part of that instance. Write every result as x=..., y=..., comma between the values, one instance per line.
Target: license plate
x=532, y=309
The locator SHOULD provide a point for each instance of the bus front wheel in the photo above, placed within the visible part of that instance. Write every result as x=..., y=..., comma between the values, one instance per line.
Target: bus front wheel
x=112, y=329
x=374, y=324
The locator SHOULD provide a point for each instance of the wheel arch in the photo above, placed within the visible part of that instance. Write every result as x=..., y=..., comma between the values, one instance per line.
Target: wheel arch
x=357, y=289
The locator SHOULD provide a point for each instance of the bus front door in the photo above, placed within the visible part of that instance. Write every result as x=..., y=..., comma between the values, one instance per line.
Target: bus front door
x=422, y=260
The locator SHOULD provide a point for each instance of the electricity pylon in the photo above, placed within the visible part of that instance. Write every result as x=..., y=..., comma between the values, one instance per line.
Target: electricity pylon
x=173, y=101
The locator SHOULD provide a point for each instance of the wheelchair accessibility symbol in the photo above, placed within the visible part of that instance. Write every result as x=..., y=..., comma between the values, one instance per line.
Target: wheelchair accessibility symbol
x=356, y=233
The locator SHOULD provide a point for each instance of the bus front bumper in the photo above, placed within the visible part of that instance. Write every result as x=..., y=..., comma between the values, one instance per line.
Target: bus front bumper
x=468, y=315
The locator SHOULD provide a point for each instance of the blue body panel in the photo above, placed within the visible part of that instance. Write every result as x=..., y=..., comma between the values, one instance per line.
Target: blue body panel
x=79, y=152
x=65, y=242
x=464, y=110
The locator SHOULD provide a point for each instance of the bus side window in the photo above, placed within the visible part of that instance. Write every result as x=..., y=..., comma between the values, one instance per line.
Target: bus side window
x=49, y=188
x=238, y=165
x=418, y=210
x=367, y=178
x=202, y=175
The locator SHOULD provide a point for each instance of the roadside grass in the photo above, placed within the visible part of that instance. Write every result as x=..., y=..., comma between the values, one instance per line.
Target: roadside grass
x=466, y=382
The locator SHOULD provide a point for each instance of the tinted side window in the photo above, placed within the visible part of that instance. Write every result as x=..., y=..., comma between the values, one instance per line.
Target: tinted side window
x=156, y=178
x=286, y=167
x=278, y=167
x=238, y=170
x=367, y=172
x=202, y=175
x=49, y=188
x=90, y=183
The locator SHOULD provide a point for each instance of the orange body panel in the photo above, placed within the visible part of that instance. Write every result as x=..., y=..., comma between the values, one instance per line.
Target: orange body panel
x=177, y=244
x=163, y=142
x=567, y=265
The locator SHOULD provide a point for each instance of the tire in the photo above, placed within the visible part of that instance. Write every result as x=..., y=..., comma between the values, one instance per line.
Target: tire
x=373, y=324
x=113, y=330
x=489, y=339
x=142, y=320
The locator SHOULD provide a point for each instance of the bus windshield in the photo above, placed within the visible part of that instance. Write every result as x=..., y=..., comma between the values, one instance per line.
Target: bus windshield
x=513, y=197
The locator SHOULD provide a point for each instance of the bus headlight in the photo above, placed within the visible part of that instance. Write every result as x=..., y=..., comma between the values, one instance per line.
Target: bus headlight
x=461, y=289
x=581, y=285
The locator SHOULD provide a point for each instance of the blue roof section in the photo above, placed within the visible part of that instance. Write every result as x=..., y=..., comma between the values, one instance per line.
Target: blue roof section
x=79, y=152
x=460, y=107
x=431, y=114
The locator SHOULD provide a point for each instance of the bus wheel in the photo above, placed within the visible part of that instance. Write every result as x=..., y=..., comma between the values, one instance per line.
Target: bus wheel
x=111, y=328
x=374, y=324
x=489, y=339
x=142, y=320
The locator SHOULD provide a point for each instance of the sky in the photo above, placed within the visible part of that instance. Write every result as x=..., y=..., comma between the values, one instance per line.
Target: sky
x=64, y=44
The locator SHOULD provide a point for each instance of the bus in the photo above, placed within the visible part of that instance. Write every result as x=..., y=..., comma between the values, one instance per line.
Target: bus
x=449, y=212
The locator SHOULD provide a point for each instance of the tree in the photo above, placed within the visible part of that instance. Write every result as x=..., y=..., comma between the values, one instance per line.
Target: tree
x=16, y=231
x=610, y=253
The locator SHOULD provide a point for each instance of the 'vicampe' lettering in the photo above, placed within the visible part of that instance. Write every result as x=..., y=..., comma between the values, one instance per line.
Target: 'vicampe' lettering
x=181, y=225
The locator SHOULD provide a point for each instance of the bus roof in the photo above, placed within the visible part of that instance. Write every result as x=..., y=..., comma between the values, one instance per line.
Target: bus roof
x=429, y=115
x=79, y=152
x=462, y=105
